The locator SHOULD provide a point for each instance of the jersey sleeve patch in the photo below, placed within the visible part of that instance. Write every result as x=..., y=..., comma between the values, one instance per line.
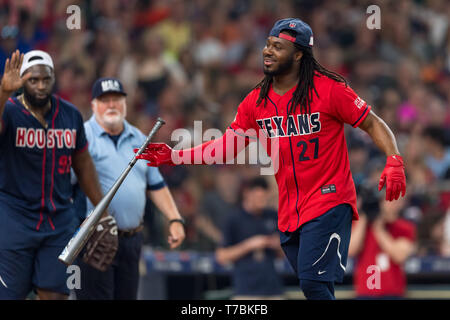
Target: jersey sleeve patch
x=362, y=116
x=347, y=106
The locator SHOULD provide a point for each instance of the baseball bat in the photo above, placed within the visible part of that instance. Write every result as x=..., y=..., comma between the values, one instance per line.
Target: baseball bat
x=86, y=229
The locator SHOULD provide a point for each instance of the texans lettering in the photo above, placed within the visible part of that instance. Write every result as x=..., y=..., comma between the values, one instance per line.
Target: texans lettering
x=295, y=125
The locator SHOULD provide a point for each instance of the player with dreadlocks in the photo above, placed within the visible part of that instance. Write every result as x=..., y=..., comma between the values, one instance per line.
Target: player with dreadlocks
x=308, y=67
x=302, y=107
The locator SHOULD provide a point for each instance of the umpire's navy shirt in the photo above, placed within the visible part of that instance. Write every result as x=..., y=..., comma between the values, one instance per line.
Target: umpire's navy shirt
x=110, y=160
x=254, y=273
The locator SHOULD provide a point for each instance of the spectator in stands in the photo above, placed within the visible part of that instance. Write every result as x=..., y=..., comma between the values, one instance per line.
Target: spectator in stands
x=381, y=242
x=445, y=248
x=251, y=243
x=217, y=204
x=437, y=153
x=431, y=238
x=358, y=157
x=156, y=72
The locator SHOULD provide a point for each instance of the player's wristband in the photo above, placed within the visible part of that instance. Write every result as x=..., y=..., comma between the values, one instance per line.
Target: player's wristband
x=181, y=220
x=394, y=161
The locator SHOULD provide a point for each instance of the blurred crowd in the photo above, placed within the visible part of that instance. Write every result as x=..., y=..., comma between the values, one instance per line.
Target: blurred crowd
x=196, y=60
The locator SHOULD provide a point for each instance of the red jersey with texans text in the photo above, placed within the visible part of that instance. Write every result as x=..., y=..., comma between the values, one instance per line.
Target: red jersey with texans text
x=313, y=173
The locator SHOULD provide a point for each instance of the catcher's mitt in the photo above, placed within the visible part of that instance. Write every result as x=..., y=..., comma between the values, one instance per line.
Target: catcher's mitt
x=102, y=245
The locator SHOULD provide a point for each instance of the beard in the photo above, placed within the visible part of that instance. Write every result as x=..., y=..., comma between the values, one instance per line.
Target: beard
x=35, y=102
x=282, y=68
x=113, y=120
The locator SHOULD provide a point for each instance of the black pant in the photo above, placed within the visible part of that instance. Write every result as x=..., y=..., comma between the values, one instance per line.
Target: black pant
x=120, y=281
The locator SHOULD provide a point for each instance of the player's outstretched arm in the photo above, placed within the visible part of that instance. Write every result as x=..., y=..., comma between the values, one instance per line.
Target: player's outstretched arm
x=218, y=151
x=11, y=80
x=393, y=175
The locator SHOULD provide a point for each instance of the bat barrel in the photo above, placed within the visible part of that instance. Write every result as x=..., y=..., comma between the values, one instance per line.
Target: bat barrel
x=86, y=229
x=83, y=234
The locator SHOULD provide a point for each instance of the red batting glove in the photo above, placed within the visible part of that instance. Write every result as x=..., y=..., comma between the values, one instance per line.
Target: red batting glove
x=157, y=154
x=394, y=177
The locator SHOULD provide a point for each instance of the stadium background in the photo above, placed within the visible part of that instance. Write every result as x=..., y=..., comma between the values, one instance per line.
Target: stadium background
x=196, y=60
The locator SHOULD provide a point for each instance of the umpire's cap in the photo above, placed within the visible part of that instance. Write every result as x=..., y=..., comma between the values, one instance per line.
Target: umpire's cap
x=107, y=85
x=304, y=35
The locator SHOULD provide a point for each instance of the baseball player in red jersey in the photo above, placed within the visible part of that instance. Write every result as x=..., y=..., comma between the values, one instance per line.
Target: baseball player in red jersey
x=302, y=107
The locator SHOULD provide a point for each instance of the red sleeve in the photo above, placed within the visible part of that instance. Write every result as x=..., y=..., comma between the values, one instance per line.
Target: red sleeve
x=407, y=230
x=347, y=106
x=218, y=151
x=236, y=138
x=244, y=120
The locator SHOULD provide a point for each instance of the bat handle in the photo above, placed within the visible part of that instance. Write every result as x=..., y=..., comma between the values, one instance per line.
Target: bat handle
x=159, y=123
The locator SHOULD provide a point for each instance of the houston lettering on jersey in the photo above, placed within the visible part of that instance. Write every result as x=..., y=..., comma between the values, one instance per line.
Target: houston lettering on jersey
x=52, y=138
x=294, y=125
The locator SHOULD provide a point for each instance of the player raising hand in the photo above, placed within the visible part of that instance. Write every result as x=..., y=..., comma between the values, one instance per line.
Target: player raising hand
x=41, y=138
x=11, y=79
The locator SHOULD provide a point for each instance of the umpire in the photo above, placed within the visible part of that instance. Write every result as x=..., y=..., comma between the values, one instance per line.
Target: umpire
x=111, y=143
